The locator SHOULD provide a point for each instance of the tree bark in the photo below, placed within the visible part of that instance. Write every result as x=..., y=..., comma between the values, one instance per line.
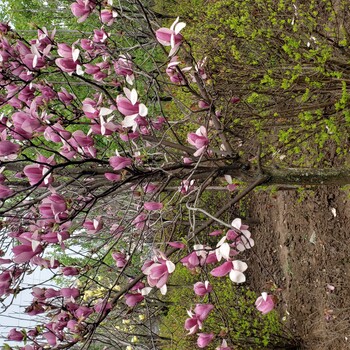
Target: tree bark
x=307, y=176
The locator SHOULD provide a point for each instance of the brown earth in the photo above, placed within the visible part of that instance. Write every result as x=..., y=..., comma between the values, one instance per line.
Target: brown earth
x=302, y=248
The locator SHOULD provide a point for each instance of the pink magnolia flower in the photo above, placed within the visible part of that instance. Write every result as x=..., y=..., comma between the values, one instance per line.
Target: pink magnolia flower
x=120, y=259
x=158, y=272
x=73, y=326
x=231, y=186
x=203, y=104
x=153, y=206
x=82, y=9
x=4, y=27
x=53, y=207
x=203, y=310
x=102, y=306
x=176, y=76
x=192, y=324
x=113, y=177
x=24, y=252
x=79, y=139
x=197, y=317
x=202, y=289
x=56, y=133
x=83, y=312
x=199, y=140
x=68, y=65
x=35, y=309
x=93, y=226
x=171, y=37
x=52, y=293
x=177, y=245
x=55, y=237
x=133, y=299
x=39, y=174
x=5, y=282
x=44, y=263
x=131, y=108
x=186, y=186
x=65, y=96
x=107, y=16
x=243, y=239
x=100, y=36
x=15, y=335
x=223, y=346
x=234, y=268
x=5, y=192
x=119, y=163
x=70, y=293
x=158, y=124
x=25, y=125
x=265, y=303
x=204, y=339
x=5, y=261
x=199, y=257
x=124, y=67
x=234, y=100
x=150, y=188
x=126, y=107
x=7, y=148
x=50, y=337
x=140, y=221
x=90, y=108
x=70, y=271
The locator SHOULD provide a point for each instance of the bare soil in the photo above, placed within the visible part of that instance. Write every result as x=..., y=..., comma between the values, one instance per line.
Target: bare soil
x=302, y=251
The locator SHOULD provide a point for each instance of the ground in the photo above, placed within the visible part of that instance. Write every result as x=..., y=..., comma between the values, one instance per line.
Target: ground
x=302, y=248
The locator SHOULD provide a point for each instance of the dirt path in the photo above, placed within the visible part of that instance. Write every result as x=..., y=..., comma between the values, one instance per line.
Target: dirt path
x=302, y=246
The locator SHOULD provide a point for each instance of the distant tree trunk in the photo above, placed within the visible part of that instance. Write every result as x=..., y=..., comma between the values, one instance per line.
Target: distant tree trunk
x=307, y=176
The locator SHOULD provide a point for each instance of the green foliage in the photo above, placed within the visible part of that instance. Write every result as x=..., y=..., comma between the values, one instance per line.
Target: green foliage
x=285, y=61
x=234, y=316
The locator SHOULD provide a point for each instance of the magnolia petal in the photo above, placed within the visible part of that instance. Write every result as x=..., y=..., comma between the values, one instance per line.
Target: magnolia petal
x=79, y=70
x=237, y=223
x=189, y=313
x=35, y=61
x=133, y=96
x=178, y=245
x=237, y=276
x=239, y=265
x=130, y=79
x=105, y=111
x=163, y=289
x=222, y=241
x=222, y=270
x=129, y=121
x=228, y=178
x=146, y=290
x=240, y=247
x=198, y=247
x=75, y=54
x=172, y=27
x=143, y=110
x=170, y=265
x=225, y=251
x=179, y=27
x=35, y=245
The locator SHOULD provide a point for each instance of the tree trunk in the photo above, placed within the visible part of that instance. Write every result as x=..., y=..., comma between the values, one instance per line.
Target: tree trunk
x=307, y=176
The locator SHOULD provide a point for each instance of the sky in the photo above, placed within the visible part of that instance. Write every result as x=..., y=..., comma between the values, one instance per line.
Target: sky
x=14, y=316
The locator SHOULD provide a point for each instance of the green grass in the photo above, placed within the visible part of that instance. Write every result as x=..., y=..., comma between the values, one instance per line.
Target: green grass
x=234, y=317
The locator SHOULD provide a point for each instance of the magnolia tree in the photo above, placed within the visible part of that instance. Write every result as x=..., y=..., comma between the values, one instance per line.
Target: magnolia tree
x=100, y=186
